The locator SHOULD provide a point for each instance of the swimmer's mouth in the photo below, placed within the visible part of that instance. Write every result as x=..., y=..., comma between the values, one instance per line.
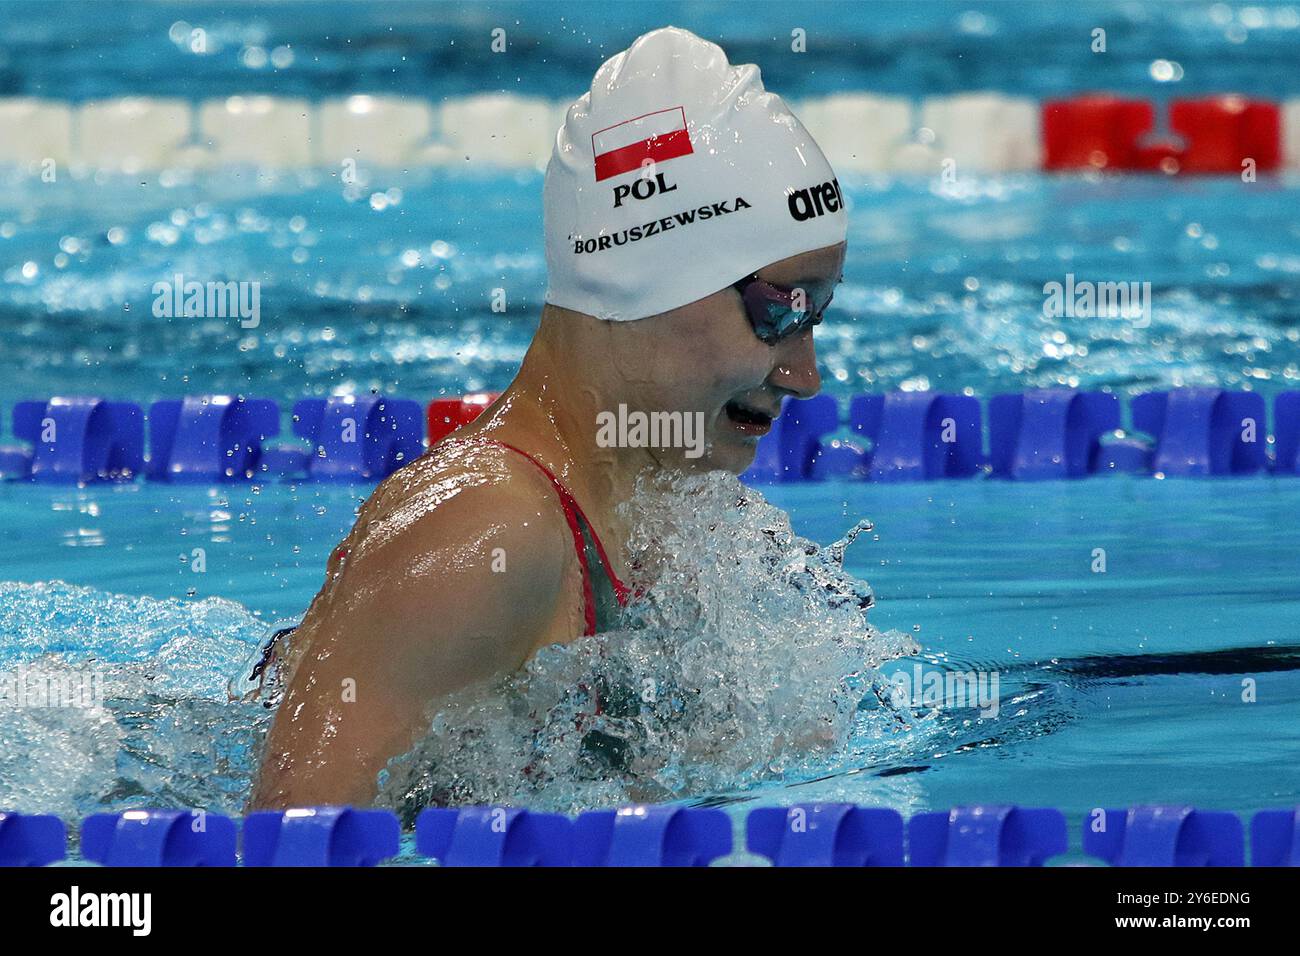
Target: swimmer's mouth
x=746, y=418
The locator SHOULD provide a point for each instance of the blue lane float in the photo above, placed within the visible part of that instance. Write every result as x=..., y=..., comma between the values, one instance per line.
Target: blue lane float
x=1120, y=453
x=1165, y=836
x=209, y=437
x=1203, y=432
x=359, y=438
x=494, y=836
x=1286, y=426
x=826, y=834
x=1275, y=838
x=79, y=440
x=159, y=838
x=832, y=834
x=651, y=836
x=320, y=836
x=786, y=452
x=919, y=436
x=31, y=839
x=900, y=436
x=15, y=462
x=1050, y=433
x=987, y=836
x=843, y=459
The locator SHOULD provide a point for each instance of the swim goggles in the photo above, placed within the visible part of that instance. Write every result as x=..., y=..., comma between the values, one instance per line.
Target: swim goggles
x=771, y=309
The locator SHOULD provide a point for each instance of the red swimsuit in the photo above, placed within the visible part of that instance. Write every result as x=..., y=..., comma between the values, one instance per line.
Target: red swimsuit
x=601, y=597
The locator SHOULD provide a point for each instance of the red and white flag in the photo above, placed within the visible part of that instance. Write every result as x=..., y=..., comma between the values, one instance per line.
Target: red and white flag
x=627, y=146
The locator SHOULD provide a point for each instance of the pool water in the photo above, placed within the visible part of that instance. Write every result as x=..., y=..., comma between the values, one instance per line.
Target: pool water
x=423, y=49
x=943, y=284
x=1115, y=688
x=1171, y=676
x=1131, y=680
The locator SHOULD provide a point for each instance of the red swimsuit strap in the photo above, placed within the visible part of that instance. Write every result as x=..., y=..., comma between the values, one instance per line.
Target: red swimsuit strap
x=576, y=519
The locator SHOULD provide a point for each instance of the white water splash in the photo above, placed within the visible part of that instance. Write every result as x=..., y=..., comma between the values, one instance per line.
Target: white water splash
x=744, y=662
x=158, y=730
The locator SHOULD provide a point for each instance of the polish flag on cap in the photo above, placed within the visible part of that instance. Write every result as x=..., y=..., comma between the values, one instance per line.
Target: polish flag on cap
x=728, y=209
x=653, y=137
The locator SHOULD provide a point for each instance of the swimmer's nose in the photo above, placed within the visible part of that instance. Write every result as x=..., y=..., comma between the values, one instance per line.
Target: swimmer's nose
x=796, y=366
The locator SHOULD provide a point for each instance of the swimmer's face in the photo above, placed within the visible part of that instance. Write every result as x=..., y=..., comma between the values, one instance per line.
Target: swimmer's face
x=704, y=357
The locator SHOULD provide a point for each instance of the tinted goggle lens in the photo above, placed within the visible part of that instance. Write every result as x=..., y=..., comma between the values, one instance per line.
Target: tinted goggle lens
x=773, y=311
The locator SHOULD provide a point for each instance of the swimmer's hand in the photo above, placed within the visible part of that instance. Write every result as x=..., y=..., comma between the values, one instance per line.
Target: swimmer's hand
x=449, y=577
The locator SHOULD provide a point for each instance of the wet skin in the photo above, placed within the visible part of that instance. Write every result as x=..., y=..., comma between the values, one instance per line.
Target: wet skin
x=461, y=565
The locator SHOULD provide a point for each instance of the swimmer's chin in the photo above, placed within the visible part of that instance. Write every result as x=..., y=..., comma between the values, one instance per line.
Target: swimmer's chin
x=729, y=458
x=728, y=448
x=731, y=453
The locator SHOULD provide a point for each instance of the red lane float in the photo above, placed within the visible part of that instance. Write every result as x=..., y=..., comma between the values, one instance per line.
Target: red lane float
x=1094, y=132
x=1218, y=133
x=1222, y=132
x=448, y=414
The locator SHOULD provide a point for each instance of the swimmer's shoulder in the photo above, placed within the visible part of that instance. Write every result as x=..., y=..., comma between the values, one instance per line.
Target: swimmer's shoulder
x=457, y=567
x=456, y=471
x=461, y=500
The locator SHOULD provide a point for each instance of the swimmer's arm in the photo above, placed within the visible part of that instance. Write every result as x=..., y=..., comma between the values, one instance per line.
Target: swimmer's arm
x=413, y=617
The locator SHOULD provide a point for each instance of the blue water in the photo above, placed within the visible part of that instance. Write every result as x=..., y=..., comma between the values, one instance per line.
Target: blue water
x=1036, y=48
x=1118, y=687
x=943, y=287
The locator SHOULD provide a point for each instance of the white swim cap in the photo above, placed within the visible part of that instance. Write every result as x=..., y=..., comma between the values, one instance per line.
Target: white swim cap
x=676, y=175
